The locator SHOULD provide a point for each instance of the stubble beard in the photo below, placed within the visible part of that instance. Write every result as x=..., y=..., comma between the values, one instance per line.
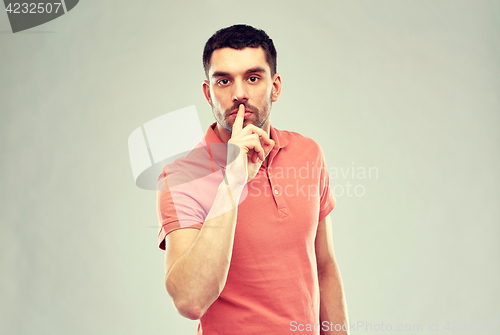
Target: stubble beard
x=262, y=116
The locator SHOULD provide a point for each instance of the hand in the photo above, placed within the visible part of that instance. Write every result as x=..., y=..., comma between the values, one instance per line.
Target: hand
x=254, y=146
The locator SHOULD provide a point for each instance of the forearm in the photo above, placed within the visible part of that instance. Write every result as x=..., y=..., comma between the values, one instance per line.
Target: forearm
x=333, y=308
x=199, y=275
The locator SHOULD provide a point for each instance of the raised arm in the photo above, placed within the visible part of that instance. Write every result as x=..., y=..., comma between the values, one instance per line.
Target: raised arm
x=197, y=261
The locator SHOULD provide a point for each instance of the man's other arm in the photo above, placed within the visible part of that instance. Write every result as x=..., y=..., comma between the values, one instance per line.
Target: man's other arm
x=333, y=308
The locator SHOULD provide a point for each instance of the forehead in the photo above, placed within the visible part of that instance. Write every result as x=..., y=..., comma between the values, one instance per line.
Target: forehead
x=235, y=61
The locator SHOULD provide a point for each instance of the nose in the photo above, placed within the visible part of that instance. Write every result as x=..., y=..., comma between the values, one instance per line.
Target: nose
x=240, y=92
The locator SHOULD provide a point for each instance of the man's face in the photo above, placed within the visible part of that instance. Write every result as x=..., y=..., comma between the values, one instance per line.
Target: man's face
x=241, y=77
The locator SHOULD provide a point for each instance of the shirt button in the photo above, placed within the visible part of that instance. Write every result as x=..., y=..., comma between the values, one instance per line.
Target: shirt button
x=276, y=192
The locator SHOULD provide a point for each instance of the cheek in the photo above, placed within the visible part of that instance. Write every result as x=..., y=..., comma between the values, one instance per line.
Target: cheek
x=265, y=92
x=218, y=100
x=215, y=101
x=264, y=96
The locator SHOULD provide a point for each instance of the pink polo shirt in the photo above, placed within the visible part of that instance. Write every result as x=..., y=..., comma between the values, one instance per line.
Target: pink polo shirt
x=272, y=279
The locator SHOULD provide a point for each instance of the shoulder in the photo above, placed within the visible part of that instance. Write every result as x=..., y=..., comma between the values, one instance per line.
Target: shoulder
x=195, y=162
x=296, y=140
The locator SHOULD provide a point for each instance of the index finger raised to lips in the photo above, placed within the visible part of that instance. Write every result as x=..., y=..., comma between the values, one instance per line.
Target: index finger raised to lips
x=238, y=121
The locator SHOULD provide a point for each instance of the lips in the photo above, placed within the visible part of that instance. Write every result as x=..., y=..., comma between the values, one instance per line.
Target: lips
x=247, y=114
x=236, y=112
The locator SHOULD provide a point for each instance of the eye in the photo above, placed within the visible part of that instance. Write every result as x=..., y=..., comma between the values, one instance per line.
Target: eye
x=253, y=79
x=222, y=82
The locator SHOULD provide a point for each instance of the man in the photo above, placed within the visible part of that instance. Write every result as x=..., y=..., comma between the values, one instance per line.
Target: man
x=248, y=241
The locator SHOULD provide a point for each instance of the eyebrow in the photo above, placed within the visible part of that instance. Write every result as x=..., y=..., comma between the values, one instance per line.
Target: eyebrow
x=256, y=69
x=220, y=74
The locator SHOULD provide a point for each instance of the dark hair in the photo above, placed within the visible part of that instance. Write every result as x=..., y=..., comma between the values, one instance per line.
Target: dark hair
x=238, y=37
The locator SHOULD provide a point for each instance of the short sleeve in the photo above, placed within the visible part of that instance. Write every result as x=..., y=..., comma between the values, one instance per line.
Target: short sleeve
x=176, y=206
x=327, y=199
x=185, y=195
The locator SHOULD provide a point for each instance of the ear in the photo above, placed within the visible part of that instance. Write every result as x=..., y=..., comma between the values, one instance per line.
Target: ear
x=276, y=87
x=206, y=91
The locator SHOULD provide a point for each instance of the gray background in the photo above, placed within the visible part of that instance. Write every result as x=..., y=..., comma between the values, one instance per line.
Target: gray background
x=409, y=87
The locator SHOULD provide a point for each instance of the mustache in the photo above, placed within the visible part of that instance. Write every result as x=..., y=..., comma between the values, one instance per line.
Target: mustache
x=234, y=108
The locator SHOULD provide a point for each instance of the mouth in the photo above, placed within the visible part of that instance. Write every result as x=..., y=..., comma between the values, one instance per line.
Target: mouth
x=246, y=116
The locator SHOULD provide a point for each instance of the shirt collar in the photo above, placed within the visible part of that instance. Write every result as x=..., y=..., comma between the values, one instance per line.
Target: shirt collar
x=218, y=150
x=279, y=140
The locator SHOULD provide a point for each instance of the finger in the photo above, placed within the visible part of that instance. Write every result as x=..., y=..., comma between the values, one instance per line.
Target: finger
x=252, y=143
x=252, y=129
x=255, y=157
x=238, y=122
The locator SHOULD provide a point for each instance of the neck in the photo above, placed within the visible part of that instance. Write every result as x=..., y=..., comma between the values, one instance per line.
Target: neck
x=225, y=136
